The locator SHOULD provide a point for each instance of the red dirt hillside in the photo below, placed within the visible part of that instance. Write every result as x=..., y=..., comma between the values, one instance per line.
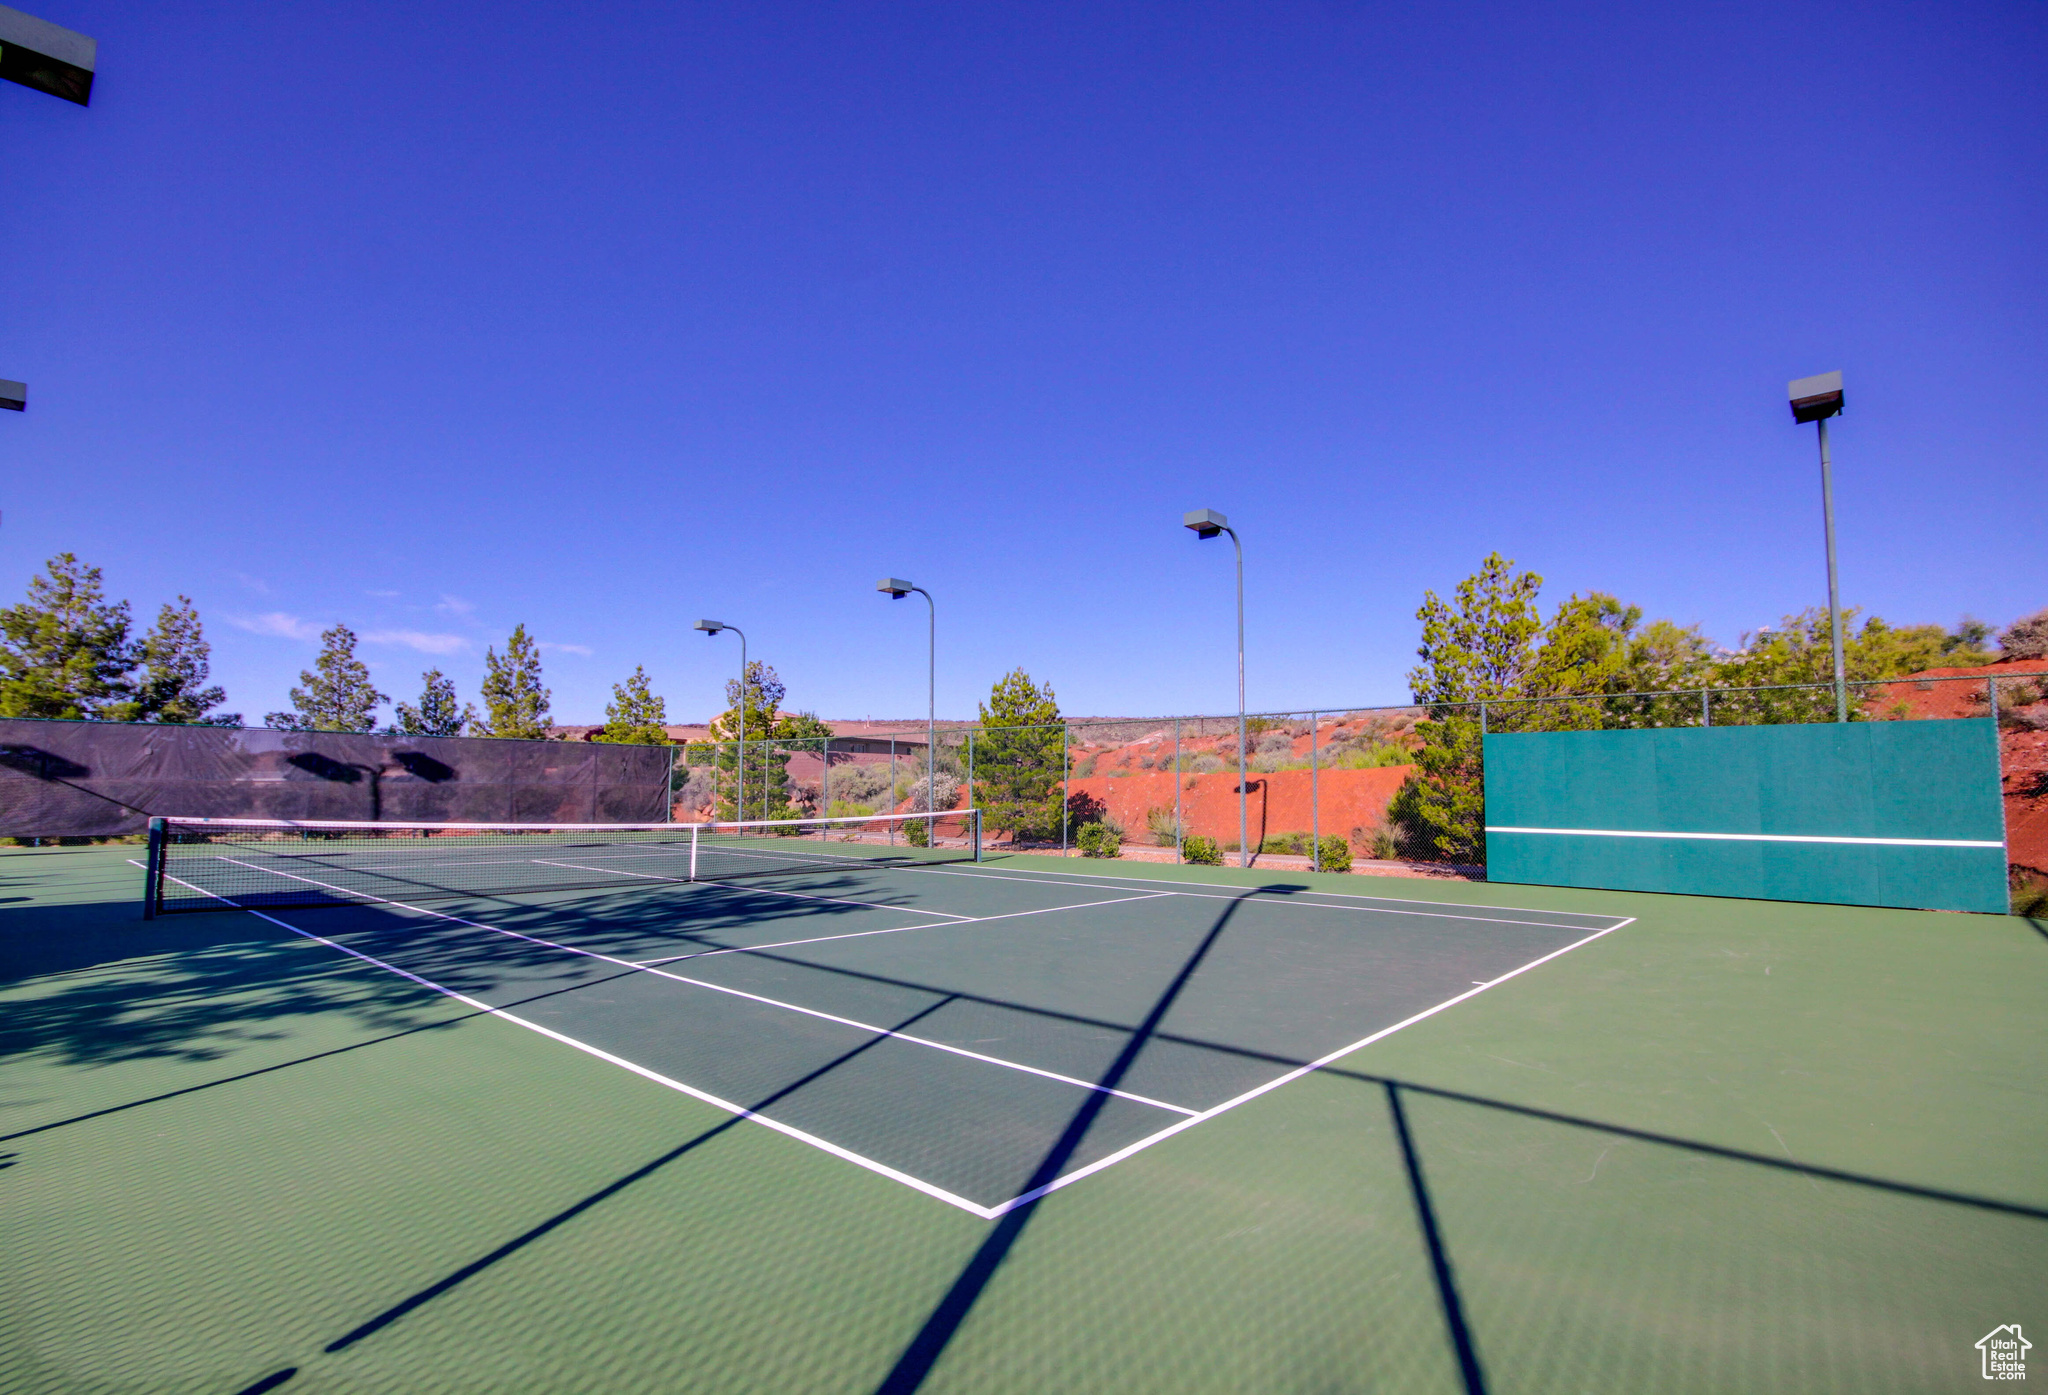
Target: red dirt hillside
x=2022, y=739
x=1130, y=778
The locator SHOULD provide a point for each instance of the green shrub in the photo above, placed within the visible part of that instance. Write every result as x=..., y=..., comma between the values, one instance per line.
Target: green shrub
x=1195, y=848
x=1372, y=757
x=1159, y=822
x=1333, y=855
x=2029, y=897
x=1098, y=840
x=917, y=832
x=1382, y=844
x=847, y=809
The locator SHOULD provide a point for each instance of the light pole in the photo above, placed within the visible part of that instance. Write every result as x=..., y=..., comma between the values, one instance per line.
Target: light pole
x=712, y=627
x=896, y=589
x=38, y=54
x=1816, y=399
x=1207, y=523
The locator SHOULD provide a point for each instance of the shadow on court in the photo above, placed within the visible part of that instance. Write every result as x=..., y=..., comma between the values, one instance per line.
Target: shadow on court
x=199, y=989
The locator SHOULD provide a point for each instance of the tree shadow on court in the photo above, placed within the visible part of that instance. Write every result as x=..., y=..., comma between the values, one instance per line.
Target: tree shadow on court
x=203, y=987
x=93, y=984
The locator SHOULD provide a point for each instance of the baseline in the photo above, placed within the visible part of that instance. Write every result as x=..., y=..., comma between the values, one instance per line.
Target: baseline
x=1310, y=905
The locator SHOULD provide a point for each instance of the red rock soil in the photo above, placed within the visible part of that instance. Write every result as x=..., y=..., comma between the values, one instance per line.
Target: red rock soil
x=2022, y=743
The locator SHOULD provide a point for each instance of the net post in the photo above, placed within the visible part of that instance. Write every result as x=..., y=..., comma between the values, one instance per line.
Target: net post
x=696, y=833
x=153, y=874
x=976, y=831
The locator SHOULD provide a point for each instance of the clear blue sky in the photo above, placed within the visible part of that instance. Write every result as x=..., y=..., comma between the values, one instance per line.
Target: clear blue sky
x=603, y=317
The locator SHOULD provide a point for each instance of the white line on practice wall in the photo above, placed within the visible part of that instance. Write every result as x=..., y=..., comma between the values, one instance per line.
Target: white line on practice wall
x=1754, y=837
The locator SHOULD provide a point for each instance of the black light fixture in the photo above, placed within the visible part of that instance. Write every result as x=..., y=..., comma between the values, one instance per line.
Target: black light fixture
x=38, y=54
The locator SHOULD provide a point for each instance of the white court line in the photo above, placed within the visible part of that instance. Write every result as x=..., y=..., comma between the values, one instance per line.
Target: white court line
x=895, y=930
x=1378, y=903
x=1752, y=837
x=1289, y=901
x=764, y=890
x=1118, y=1156
x=824, y=1145
x=751, y=997
x=1016, y=873
x=985, y=1212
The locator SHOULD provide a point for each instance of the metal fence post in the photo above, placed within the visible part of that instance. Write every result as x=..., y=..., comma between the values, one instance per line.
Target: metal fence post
x=1991, y=694
x=1706, y=707
x=892, y=791
x=1315, y=795
x=1063, y=789
x=1180, y=834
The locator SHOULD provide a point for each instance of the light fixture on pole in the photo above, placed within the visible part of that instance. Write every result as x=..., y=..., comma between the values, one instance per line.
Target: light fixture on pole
x=712, y=627
x=895, y=588
x=38, y=54
x=1816, y=399
x=1207, y=523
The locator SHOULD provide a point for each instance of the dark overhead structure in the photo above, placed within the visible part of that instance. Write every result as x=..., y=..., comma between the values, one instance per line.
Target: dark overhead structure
x=13, y=396
x=1816, y=398
x=38, y=54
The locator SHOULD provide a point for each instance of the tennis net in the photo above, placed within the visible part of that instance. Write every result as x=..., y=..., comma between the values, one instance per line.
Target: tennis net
x=219, y=864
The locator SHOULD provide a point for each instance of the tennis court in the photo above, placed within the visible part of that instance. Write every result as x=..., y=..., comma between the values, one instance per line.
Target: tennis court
x=904, y=1120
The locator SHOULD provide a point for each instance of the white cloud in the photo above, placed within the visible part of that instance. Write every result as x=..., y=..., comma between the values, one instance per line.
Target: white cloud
x=547, y=648
x=383, y=595
x=254, y=583
x=414, y=639
x=276, y=623
x=455, y=605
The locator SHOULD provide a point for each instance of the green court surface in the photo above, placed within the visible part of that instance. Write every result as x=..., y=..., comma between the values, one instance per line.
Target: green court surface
x=1027, y=1125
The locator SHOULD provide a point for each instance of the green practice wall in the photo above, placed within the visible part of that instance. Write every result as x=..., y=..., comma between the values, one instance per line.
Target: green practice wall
x=1858, y=813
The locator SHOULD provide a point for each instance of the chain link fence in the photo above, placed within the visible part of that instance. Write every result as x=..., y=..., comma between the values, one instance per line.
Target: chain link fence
x=1306, y=788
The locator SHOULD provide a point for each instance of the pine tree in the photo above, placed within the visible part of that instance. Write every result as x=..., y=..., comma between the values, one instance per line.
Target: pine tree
x=175, y=665
x=515, y=703
x=338, y=694
x=754, y=783
x=437, y=714
x=2026, y=638
x=64, y=652
x=1017, y=758
x=635, y=716
x=1482, y=649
